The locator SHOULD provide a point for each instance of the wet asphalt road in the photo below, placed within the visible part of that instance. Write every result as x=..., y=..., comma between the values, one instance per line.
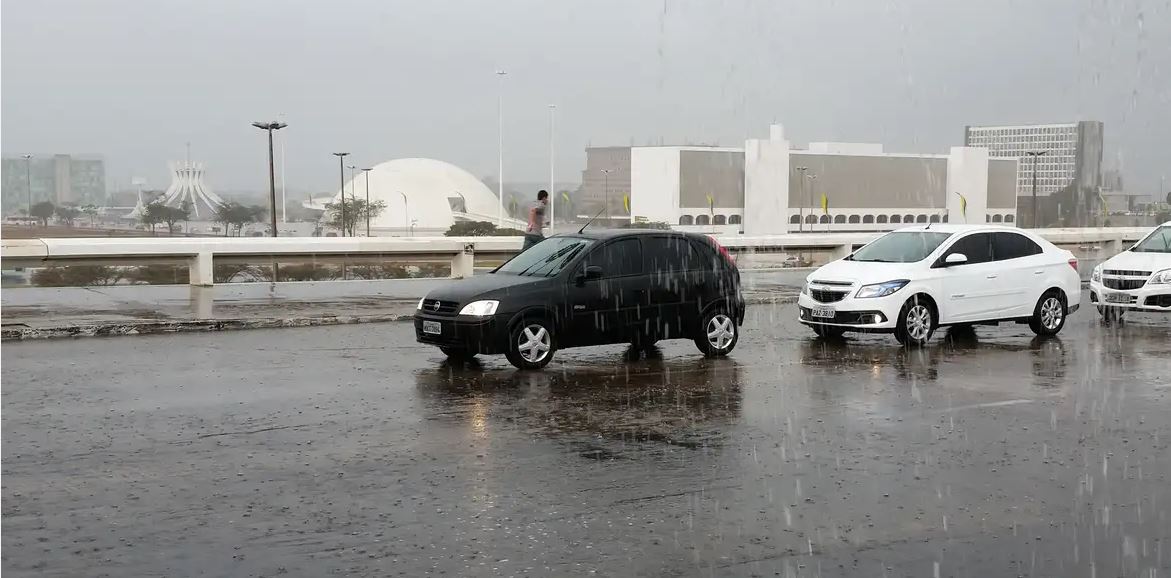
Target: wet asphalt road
x=351, y=450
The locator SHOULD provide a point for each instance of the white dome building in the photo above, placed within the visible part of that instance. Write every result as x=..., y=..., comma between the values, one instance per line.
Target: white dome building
x=424, y=196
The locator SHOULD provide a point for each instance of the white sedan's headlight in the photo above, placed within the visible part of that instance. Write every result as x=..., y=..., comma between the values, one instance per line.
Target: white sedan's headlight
x=419, y=307
x=881, y=289
x=1097, y=274
x=480, y=308
x=1160, y=277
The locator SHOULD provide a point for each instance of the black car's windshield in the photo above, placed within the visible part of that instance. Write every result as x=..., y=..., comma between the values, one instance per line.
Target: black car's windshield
x=901, y=247
x=547, y=258
x=1159, y=241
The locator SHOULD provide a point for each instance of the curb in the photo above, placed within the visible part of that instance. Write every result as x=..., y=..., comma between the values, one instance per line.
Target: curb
x=207, y=325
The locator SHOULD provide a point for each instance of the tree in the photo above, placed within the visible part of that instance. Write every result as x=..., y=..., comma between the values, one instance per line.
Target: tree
x=67, y=214
x=152, y=214
x=90, y=211
x=356, y=212
x=233, y=214
x=480, y=229
x=171, y=216
x=43, y=211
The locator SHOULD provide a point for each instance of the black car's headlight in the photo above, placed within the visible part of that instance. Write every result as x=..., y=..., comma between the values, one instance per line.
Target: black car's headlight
x=881, y=289
x=480, y=308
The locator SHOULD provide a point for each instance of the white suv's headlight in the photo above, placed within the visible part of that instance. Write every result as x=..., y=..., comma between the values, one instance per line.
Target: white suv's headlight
x=480, y=308
x=1160, y=277
x=805, y=288
x=1097, y=274
x=881, y=289
x=419, y=307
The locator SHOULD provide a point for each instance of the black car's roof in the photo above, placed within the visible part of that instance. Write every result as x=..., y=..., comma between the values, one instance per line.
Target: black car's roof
x=602, y=234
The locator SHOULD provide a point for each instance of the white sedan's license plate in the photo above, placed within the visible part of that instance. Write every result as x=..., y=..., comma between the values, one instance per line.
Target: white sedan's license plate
x=1117, y=298
x=432, y=327
x=823, y=312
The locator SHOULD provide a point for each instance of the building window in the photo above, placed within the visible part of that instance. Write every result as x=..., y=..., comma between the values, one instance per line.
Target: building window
x=908, y=218
x=810, y=219
x=987, y=218
x=702, y=220
x=945, y=218
x=855, y=219
x=921, y=219
x=734, y=219
x=1008, y=218
x=686, y=220
x=935, y=218
x=896, y=219
x=720, y=220
x=997, y=218
x=868, y=219
x=795, y=220
x=881, y=219
x=839, y=219
x=824, y=219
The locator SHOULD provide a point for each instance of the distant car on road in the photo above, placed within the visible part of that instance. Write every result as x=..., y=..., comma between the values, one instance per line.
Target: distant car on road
x=1137, y=279
x=593, y=288
x=911, y=281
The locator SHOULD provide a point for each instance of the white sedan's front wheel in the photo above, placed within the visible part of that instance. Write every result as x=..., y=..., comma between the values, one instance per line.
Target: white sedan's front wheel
x=1049, y=314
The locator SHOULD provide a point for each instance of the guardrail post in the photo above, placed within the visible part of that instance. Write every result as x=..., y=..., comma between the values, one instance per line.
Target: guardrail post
x=463, y=263
x=200, y=270
x=842, y=251
x=1116, y=245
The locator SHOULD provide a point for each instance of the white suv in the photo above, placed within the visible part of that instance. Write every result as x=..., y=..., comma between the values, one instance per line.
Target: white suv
x=911, y=281
x=1138, y=279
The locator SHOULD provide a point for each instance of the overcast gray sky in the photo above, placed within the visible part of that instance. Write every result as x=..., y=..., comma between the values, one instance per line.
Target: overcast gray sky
x=134, y=80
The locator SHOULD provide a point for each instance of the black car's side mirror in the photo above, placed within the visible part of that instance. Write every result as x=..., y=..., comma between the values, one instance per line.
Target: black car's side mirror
x=591, y=272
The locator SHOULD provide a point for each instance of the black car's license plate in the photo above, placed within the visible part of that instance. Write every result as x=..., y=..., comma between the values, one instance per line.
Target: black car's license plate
x=432, y=327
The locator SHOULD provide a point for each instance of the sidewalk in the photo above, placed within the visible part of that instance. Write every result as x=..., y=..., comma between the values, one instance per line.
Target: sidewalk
x=44, y=312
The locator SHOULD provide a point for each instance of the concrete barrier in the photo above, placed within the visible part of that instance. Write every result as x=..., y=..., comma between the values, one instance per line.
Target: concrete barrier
x=201, y=253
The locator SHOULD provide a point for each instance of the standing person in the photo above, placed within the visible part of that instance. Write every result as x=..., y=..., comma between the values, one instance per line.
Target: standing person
x=535, y=232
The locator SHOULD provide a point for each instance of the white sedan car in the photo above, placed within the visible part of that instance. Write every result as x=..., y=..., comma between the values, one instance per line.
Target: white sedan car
x=1138, y=279
x=911, y=281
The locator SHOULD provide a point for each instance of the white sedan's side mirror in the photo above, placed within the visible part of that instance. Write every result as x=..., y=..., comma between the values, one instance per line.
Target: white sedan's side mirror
x=955, y=259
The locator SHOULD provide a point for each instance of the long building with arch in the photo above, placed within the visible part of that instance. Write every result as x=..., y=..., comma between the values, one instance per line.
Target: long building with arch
x=769, y=187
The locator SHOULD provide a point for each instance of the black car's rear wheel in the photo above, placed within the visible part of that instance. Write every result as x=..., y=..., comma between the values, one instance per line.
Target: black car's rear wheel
x=531, y=344
x=718, y=333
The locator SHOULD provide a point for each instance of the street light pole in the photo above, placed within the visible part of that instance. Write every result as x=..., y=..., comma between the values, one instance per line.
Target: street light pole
x=606, y=192
x=28, y=176
x=801, y=196
x=367, y=173
x=552, y=191
x=1035, y=155
x=353, y=198
x=500, y=74
x=809, y=196
x=341, y=170
x=284, y=188
x=269, y=127
x=407, y=215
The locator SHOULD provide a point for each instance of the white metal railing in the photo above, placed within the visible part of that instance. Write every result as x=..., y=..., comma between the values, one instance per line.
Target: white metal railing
x=200, y=253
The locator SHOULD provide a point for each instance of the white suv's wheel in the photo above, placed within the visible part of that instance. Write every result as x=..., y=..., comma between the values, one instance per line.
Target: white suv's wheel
x=916, y=322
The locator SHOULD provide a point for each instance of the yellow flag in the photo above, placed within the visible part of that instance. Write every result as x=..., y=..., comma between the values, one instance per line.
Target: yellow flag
x=626, y=202
x=711, y=202
x=824, y=204
x=565, y=195
x=963, y=206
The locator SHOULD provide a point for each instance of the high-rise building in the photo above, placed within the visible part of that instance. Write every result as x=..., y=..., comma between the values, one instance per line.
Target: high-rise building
x=58, y=178
x=1068, y=172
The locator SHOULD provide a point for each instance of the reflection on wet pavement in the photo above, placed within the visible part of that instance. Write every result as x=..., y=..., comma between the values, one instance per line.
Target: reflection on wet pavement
x=352, y=450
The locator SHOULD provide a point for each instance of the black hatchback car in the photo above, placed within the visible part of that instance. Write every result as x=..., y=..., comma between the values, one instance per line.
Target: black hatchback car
x=593, y=288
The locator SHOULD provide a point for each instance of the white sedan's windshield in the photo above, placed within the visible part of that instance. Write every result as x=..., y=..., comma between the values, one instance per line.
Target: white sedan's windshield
x=1159, y=241
x=901, y=247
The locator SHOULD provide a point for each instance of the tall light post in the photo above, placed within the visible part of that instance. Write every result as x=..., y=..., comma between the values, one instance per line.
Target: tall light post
x=801, y=195
x=353, y=198
x=552, y=189
x=606, y=191
x=1035, y=155
x=284, y=198
x=341, y=170
x=28, y=176
x=809, y=196
x=406, y=215
x=500, y=74
x=367, y=173
x=269, y=127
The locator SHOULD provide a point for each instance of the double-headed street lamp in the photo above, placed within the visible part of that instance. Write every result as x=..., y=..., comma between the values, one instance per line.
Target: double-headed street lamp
x=1035, y=155
x=341, y=168
x=366, y=172
x=271, y=126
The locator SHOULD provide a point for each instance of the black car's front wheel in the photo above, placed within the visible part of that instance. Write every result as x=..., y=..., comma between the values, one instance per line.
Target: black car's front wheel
x=531, y=344
x=718, y=333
